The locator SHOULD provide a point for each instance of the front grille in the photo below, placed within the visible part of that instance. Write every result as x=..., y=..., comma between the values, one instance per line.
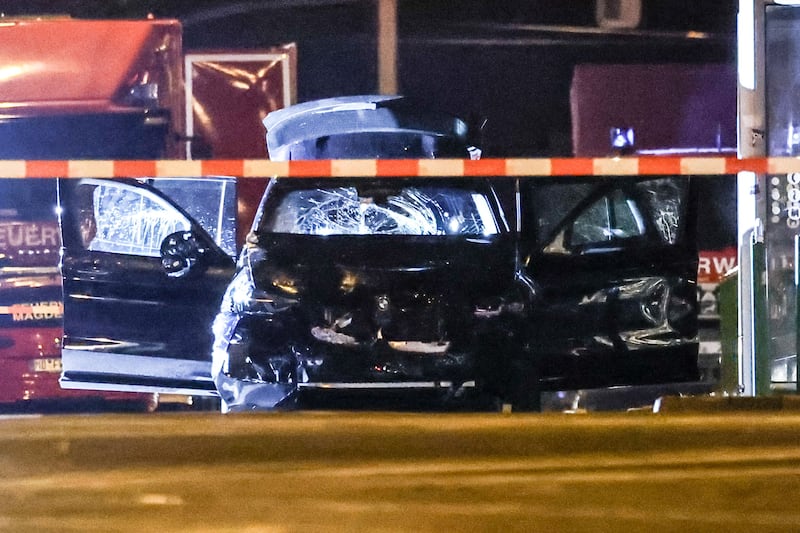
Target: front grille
x=386, y=317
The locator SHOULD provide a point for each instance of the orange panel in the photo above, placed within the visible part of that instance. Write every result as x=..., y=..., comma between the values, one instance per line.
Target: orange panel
x=67, y=62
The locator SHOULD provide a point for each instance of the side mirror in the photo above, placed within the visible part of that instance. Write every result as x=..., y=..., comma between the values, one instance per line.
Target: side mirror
x=179, y=253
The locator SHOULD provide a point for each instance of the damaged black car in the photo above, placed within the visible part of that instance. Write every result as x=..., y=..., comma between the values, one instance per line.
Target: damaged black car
x=368, y=284
x=493, y=286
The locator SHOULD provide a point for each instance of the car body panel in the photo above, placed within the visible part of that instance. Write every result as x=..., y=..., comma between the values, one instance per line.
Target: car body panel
x=616, y=303
x=127, y=322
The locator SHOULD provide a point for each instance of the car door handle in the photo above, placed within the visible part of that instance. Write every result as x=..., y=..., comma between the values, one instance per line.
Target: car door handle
x=97, y=272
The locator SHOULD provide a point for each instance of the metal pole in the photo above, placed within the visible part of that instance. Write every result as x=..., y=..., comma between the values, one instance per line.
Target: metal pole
x=760, y=319
x=387, y=46
x=796, y=310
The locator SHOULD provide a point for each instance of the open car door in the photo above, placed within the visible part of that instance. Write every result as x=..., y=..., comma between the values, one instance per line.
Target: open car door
x=613, y=264
x=144, y=266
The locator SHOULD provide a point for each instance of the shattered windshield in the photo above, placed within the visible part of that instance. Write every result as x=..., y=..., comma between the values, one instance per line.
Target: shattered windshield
x=210, y=201
x=400, y=211
x=664, y=198
x=124, y=219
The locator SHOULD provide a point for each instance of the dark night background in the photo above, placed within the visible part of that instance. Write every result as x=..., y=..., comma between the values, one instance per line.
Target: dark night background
x=508, y=62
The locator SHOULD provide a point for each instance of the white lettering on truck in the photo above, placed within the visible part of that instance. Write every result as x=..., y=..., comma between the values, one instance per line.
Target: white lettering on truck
x=25, y=235
x=23, y=312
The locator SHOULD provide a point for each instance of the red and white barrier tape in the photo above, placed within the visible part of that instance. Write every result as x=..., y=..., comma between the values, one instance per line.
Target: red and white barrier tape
x=255, y=168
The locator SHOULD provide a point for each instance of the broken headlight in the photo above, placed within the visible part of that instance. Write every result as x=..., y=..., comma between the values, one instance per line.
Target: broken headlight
x=243, y=297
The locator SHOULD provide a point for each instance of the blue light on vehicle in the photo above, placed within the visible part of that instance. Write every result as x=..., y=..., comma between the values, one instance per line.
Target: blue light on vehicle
x=622, y=139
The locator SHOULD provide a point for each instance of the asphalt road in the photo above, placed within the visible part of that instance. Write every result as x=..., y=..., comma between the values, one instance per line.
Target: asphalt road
x=367, y=471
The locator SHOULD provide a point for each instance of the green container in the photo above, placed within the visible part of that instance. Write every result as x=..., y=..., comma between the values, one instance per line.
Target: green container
x=728, y=302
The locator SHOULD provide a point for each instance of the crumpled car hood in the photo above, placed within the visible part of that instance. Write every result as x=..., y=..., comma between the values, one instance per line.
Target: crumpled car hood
x=365, y=127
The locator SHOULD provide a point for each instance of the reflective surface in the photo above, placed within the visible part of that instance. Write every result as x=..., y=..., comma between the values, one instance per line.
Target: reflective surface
x=401, y=472
x=782, y=225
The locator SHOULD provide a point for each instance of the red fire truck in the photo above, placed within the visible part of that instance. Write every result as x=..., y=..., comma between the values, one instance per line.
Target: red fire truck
x=106, y=89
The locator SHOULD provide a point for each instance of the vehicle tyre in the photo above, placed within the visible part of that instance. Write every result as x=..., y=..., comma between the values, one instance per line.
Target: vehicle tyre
x=523, y=391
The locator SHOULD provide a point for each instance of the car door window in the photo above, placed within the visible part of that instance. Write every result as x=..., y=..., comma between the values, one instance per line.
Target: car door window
x=648, y=210
x=664, y=200
x=611, y=217
x=211, y=202
x=120, y=218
